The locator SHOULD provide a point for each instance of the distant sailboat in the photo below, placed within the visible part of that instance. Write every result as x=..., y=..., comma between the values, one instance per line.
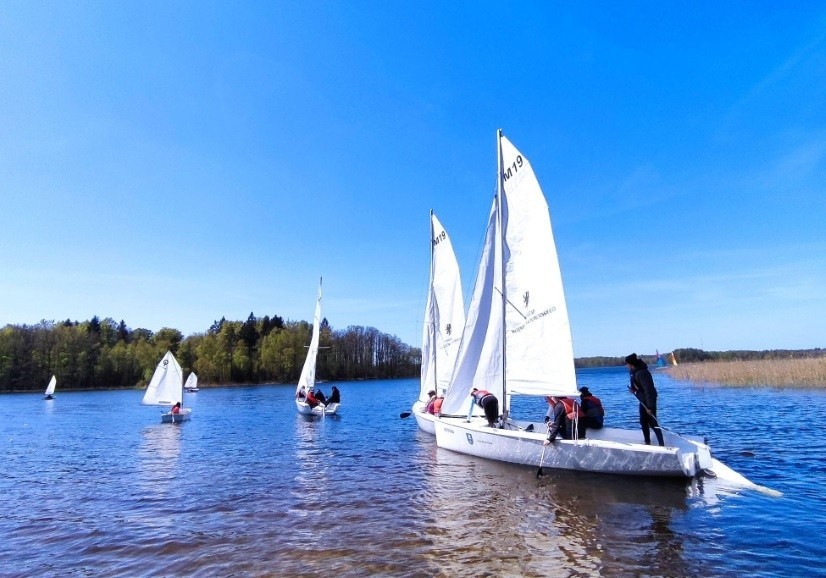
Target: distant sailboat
x=49, y=394
x=660, y=360
x=673, y=359
x=167, y=388
x=191, y=383
x=306, y=383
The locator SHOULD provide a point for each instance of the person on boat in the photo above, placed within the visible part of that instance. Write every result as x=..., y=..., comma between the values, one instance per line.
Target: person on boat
x=592, y=408
x=437, y=405
x=319, y=395
x=335, y=396
x=563, y=419
x=176, y=408
x=642, y=386
x=302, y=393
x=311, y=399
x=488, y=402
x=431, y=397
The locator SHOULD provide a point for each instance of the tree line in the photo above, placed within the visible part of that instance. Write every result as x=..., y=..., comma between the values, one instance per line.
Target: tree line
x=105, y=354
x=690, y=355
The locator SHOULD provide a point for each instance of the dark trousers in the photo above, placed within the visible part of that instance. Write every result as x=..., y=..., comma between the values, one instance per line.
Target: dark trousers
x=650, y=421
x=490, y=404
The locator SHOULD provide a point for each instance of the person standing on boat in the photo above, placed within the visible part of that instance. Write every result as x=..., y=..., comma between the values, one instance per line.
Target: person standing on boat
x=592, y=408
x=488, y=402
x=642, y=386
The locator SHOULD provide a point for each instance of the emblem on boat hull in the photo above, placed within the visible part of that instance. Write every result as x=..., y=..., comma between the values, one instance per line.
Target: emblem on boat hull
x=469, y=439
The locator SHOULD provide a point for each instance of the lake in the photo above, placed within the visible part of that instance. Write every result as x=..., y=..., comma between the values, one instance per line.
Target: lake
x=93, y=484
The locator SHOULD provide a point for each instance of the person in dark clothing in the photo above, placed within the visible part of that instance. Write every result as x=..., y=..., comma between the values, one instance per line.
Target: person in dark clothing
x=488, y=402
x=642, y=386
x=319, y=395
x=335, y=396
x=592, y=408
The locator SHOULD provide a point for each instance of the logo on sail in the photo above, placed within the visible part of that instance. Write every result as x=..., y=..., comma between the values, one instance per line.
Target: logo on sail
x=526, y=298
x=448, y=328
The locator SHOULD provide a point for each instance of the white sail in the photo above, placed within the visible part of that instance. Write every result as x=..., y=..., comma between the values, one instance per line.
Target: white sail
x=51, y=386
x=191, y=381
x=533, y=349
x=444, y=313
x=166, y=386
x=307, y=379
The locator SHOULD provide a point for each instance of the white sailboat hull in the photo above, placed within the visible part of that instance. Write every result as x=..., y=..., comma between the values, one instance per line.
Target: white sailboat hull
x=319, y=410
x=425, y=421
x=180, y=417
x=608, y=450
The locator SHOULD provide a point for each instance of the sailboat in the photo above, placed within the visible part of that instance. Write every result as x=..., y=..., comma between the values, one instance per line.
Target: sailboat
x=443, y=323
x=517, y=341
x=49, y=393
x=167, y=388
x=306, y=382
x=191, y=384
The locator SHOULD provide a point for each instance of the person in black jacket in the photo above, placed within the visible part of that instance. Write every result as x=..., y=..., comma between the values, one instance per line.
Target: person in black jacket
x=642, y=386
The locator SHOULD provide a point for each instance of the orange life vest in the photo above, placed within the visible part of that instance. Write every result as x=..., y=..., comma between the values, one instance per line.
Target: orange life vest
x=572, y=409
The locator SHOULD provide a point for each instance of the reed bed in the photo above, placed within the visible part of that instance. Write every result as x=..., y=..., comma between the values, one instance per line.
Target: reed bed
x=789, y=373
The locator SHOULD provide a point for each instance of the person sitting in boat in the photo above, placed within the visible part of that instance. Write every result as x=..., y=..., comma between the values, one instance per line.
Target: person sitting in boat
x=431, y=397
x=311, y=399
x=319, y=395
x=488, y=402
x=176, y=408
x=562, y=419
x=437, y=405
x=592, y=408
x=302, y=393
x=335, y=396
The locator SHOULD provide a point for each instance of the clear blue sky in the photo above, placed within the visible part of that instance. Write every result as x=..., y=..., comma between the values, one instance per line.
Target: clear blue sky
x=170, y=163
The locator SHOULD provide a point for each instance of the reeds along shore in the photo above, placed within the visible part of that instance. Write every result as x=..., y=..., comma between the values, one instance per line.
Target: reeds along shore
x=790, y=373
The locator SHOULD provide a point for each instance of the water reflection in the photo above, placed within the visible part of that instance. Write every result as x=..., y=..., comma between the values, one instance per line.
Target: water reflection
x=159, y=459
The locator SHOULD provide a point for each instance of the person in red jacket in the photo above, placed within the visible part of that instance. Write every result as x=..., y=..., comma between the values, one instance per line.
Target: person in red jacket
x=311, y=400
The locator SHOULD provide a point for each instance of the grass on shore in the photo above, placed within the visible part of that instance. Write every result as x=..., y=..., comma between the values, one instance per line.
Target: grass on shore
x=803, y=373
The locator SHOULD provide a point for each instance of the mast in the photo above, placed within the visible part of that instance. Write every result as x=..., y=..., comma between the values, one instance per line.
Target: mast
x=499, y=190
x=432, y=299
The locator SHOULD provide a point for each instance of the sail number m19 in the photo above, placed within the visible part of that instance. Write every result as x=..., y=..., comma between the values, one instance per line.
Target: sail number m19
x=514, y=168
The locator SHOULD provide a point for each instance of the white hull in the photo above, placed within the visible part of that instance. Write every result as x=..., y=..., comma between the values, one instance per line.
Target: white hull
x=170, y=417
x=319, y=410
x=608, y=450
x=426, y=421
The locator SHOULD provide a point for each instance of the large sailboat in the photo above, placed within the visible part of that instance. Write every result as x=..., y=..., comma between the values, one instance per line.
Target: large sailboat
x=517, y=341
x=306, y=382
x=167, y=389
x=444, y=322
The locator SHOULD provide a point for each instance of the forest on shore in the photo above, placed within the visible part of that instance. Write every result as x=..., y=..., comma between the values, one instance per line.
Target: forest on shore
x=105, y=354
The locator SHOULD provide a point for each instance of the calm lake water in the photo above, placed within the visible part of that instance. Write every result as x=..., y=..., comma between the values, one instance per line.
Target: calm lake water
x=93, y=484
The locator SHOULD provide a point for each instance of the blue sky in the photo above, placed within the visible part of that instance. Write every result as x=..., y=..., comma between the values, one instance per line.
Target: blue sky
x=170, y=163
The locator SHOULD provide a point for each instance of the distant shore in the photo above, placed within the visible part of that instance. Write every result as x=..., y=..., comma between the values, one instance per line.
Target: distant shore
x=808, y=373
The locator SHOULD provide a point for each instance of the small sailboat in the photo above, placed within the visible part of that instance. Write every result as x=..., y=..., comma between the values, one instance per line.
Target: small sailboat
x=191, y=385
x=49, y=393
x=673, y=359
x=517, y=341
x=306, y=382
x=444, y=322
x=167, y=388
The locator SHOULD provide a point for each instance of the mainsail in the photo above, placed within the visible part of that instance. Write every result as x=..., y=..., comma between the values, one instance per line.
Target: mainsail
x=444, y=313
x=191, y=381
x=517, y=336
x=307, y=379
x=166, y=386
x=50, y=388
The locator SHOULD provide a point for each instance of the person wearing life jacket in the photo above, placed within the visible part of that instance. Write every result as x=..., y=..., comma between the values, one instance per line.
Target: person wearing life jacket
x=311, y=399
x=437, y=404
x=488, y=402
x=176, y=408
x=431, y=397
x=562, y=418
x=592, y=408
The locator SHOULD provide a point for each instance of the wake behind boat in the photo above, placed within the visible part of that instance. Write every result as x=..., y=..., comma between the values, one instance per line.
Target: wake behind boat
x=517, y=341
x=167, y=389
x=305, y=402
